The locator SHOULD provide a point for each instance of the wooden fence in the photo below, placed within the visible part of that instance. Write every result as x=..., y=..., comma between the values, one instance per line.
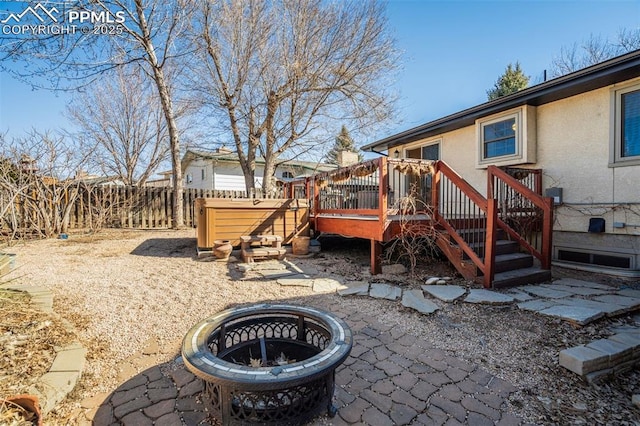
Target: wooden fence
x=123, y=207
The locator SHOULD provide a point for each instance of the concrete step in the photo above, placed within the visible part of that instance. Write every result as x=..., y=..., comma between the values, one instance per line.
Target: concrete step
x=522, y=276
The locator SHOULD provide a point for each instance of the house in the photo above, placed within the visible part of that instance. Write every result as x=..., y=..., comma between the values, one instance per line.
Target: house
x=97, y=180
x=163, y=181
x=220, y=170
x=582, y=130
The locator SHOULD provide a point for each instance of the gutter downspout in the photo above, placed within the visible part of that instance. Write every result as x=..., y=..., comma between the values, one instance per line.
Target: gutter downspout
x=380, y=153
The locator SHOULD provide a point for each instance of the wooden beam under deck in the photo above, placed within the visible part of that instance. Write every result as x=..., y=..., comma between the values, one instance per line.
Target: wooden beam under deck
x=367, y=227
x=371, y=228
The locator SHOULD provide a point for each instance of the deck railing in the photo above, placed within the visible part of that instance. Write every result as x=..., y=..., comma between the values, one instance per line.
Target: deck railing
x=468, y=218
x=522, y=211
x=366, y=188
x=375, y=189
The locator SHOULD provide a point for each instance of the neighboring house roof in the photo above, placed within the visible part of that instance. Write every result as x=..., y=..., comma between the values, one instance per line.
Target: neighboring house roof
x=618, y=69
x=101, y=180
x=232, y=157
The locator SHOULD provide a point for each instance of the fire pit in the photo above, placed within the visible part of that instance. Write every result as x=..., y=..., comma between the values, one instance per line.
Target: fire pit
x=268, y=364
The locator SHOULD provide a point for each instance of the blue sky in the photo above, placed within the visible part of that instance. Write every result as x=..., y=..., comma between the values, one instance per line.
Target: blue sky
x=453, y=52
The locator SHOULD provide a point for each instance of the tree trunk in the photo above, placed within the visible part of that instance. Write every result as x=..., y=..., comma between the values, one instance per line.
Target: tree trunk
x=177, y=215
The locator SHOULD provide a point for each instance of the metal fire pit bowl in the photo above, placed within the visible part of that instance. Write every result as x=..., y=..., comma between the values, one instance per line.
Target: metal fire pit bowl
x=268, y=364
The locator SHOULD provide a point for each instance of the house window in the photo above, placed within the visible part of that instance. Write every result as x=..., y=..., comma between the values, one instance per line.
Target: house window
x=189, y=178
x=421, y=185
x=499, y=138
x=287, y=175
x=508, y=138
x=203, y=174
x=626, y=127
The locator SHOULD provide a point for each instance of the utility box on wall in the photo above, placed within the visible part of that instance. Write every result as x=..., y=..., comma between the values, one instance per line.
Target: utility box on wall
x=229, y=219
x=555, y=193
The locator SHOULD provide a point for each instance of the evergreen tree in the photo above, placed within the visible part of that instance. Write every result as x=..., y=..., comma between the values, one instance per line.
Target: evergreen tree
x=511, y=81
x=344, y=142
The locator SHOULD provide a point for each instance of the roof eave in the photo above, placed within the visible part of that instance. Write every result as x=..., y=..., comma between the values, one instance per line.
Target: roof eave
x=600, y=75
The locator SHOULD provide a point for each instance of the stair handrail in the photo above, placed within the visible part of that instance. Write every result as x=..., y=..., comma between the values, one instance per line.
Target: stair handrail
x=543, y=203
x=489, y=207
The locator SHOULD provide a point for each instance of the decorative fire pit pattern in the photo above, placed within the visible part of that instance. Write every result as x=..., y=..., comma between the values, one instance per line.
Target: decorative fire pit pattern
x=268, y=364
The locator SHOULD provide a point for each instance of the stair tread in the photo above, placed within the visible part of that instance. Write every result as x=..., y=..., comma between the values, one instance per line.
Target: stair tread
x=511, y=256
x=498, y=243
x=521, y=276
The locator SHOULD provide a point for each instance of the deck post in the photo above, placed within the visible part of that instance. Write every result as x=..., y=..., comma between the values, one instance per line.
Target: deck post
x=547, y=233
x=316, y=196
x=376, y=257
x=490, y=242
x=490, y=179
x=435, y=192
x=383, y=191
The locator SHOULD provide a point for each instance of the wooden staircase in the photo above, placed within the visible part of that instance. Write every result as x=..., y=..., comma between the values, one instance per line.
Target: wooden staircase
x=477, y=234
x=503, y=239
x=512, y=267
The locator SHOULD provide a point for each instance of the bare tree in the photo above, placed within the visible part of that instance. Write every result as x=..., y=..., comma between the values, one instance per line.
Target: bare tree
x=628, y=40
x=122, y=119
x=593, y=51
x=277, y=72
x=416, y=241
x=148, y=33
x=37, y=187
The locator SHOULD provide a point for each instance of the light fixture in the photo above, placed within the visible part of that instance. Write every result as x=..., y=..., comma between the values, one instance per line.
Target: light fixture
x=396, y=154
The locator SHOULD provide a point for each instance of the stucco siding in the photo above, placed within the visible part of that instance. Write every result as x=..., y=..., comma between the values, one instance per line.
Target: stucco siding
x=458, y=150
x=573, y=151
x=572, y=143
x=573, y=147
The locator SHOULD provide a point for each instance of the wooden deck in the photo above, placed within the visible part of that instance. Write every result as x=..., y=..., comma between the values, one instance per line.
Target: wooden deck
x=375, y=200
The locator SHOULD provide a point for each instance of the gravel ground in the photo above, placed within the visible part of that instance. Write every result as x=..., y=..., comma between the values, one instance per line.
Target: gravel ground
x=123, y=290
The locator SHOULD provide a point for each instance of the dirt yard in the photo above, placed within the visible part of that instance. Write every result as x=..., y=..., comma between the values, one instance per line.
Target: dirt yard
x=138, y=292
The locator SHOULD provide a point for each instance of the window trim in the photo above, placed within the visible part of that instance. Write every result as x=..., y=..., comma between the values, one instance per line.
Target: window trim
x=615, y=138
x=525, y=135
x=421, y=144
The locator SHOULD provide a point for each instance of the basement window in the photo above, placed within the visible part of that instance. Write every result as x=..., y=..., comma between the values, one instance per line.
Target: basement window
x=599, y=259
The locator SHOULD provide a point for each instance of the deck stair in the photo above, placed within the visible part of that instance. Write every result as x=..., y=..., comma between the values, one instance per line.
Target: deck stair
x=501, y=238
x=512, y=267
x=478, y=234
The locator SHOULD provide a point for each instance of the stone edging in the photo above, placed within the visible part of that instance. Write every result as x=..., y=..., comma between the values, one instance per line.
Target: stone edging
x=67, y=366
x=603, y=357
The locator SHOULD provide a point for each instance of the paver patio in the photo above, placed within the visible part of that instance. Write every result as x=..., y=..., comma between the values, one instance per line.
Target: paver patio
x=389, y=378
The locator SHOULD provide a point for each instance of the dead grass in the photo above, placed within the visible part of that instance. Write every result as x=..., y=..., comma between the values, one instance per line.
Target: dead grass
x=156, y=288
x=12, y=414
x=28, y=338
